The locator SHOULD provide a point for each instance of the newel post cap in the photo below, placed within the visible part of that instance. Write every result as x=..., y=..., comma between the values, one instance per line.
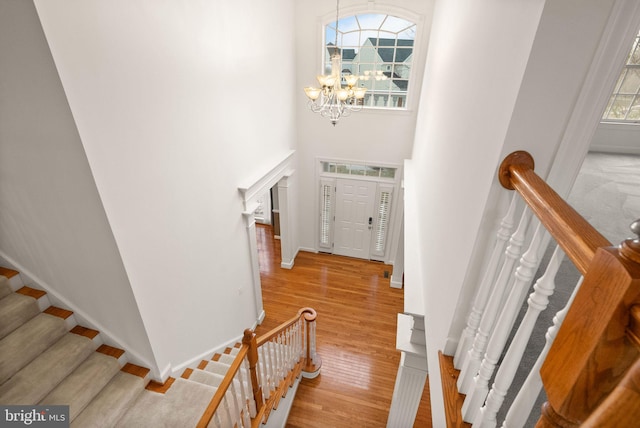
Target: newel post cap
x=630, y=248
x=518, y=158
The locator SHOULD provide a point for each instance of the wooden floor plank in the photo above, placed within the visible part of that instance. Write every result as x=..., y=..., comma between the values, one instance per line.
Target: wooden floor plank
x=356, y=330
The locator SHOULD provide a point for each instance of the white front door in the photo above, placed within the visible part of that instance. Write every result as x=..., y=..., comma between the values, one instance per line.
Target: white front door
x=354, y=217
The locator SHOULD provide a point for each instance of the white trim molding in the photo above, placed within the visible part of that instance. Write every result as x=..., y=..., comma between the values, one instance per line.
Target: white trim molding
x=251, y=190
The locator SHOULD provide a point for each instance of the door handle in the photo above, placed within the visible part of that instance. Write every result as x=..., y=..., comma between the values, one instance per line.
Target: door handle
x=370, y=222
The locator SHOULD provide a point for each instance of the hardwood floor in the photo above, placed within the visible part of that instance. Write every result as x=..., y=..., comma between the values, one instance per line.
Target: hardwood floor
x=356, y=329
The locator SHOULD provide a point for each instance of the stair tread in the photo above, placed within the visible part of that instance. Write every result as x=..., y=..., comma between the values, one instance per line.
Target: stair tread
x=182, y=406
x=226, y=359
x=112, y=401
x=5, y=288
x=34, y=381
x=28, y=341
x=216, y=367
x=84, y=383
x=206, y=377
x=15, y=310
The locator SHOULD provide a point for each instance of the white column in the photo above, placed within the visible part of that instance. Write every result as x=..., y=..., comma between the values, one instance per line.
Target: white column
x=286, y=241
x=412, y=372
x=250, y=223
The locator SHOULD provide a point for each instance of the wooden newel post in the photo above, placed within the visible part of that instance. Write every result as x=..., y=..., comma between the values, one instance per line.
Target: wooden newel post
x=313, y=362
x=594, y=347
x=249, y=339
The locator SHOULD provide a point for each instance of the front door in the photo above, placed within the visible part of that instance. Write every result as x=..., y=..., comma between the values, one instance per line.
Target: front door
x=354, y=217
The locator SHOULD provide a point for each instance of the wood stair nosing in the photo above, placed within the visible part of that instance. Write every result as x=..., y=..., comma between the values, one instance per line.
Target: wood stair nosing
x=160, y=388
x=41, y=297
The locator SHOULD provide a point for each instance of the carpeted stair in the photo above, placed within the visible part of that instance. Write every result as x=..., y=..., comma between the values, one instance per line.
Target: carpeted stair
x=46, y=358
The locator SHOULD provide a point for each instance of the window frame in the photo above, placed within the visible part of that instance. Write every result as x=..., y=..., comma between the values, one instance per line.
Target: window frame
x=635, y=96
x=417, y=60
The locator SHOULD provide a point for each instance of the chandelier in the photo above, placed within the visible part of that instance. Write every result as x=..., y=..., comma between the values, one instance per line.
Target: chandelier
x=332, y=100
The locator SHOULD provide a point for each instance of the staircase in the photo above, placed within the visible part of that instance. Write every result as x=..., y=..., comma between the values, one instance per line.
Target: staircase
x=47, y=359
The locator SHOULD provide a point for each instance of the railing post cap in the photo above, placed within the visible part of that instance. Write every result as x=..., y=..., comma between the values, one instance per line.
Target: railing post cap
x=519, y=157
x=630, y=248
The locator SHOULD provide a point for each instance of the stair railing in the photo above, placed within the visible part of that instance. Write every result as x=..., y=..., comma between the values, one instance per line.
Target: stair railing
x=593, y=340
x=263, y=370
x=597, y=341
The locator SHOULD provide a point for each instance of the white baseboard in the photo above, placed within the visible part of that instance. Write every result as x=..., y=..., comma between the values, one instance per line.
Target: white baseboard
x=206, y=355
x=610, y=148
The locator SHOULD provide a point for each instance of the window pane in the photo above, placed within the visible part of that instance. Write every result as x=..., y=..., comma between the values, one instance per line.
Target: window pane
x=357, y=169
x=377, y=47
x=371, y=20
x=634, y=111
x=395, y=24
x=634, y=57
x=372, y=171
x=620, y=106
x=388, y=172
x=325, y=215
x=342, y=168
x=382, y=221
x=631, y=82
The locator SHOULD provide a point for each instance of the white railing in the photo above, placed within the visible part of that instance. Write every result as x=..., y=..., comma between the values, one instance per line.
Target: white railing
x=486, y=369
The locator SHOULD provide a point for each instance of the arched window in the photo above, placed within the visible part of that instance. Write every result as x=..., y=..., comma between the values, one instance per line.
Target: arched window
x=378, y=48
x=624, y=104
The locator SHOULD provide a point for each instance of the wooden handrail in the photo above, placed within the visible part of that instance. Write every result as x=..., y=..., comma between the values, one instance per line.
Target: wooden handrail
x=309, y=315
x=598, y=339
x=249, y=349
x=224, y=385
x=572, y=232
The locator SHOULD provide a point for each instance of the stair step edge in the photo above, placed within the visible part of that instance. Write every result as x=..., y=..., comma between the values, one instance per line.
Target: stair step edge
x=158, y=387
x=67, y=315
x=117, y=353
x=141, y=372
x=15, y=281
x=41, y=296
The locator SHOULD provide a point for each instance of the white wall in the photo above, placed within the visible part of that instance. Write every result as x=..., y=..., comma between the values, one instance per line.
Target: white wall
x=617, y=138
x=540, y=80
x=53, y=227
x=472, y=78
x=176, y=104
x=370, y=136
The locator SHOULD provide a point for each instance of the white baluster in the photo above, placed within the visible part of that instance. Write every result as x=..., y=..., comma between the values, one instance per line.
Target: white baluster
x=522, y=279
x=273, y=366
x=528, y=394
x=480, y=300
x=216, y=419
x=538, y=302
x=472, y=362
x=226, y=409
x=241, y=375
x=266, y=376
x=249, y=387
x=235, y=405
